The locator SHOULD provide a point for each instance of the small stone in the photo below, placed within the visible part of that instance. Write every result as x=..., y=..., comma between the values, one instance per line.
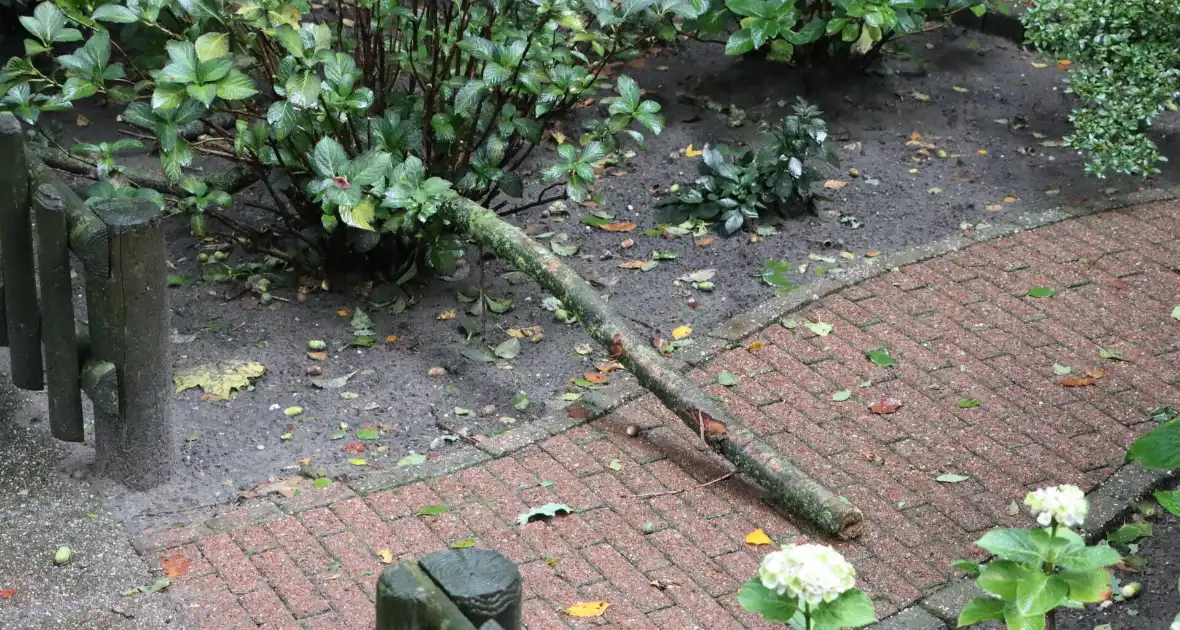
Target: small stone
x=314, y=370
x=648, y=528
x=260, y=447
x=633, y=430
x=436, y=372
x=63, y=555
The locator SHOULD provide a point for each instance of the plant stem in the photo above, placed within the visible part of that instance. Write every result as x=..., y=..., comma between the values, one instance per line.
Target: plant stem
x=806, y=616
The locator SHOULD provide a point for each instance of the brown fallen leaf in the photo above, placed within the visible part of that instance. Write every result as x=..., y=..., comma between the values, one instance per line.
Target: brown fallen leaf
x=446, y=315
x=962, y=176
x=175, y=565
x=597, y=378
x=755, y=345
x=390, y=338
x=1076, y=381
x=633, y=264
x=835, y=184
x=616, y=346
x=343, y=312
x=704, y=242
x=618, y=227
x=322, y=355
x=885, y=406
x=608, y=366
x=577, y=412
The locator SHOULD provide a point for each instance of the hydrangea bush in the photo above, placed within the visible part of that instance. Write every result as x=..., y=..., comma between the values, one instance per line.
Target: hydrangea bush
x=1036, y=571
x=810, y=587
x=1125, y=68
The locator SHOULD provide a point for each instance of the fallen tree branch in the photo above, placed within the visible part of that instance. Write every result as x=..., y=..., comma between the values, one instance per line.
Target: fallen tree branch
x=231, y=180
x=793, y=488
x=652, y=495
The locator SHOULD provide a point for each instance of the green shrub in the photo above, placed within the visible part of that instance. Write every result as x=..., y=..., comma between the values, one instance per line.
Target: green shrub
x=835, y=27
x=362, y=124
x=735, y=188
x=1125, y=69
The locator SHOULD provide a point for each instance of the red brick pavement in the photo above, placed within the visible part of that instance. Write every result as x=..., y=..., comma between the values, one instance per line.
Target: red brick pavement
x=960, y=327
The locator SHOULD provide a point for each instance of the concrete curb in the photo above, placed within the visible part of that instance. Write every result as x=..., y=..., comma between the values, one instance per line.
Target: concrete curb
x=1110, y=503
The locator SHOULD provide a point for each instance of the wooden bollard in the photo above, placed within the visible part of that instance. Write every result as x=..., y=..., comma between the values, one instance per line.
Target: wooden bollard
x=57, y=316
x=129, y=328
x=16, y=246
x=407, y=599
x=485, y=585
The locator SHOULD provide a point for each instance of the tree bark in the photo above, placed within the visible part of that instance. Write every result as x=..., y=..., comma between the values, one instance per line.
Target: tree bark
x=87, y=234
x=57, y=305
x=407, y=599
x=789, y=485
x=129, y=328
x=16, y=242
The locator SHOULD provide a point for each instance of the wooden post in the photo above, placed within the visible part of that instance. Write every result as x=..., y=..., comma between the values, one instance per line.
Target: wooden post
x=57, y=306
x=16, y=243
x=485, y=585
x=129, y=328
x=87, y=234
x=407, y=599
x=3, y=309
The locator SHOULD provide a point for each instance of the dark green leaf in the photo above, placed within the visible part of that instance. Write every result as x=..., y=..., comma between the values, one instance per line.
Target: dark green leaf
x=756, y=598
x=1042, y=292
x=881, y=358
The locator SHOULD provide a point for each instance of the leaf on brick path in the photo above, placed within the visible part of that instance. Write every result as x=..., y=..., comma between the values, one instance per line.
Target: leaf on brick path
x=1013, y=509
x=220, y=381
x=386, y=556
x=842, y=395
x=820, y=328
x=885, y=406
x=1113, y=355
x=758, y=537
x=1061, y=370
x=615, y=465
x=358, y=461
x=691, y=152
x=577, y=412
x=333, y=383
x=466, y=543
x=7, y=593
x=727, y=378
x=598, y=378
x=680, y=332
x=1076, y=381
x=285, y=486
x=446, y=315
x=322, y=482
x=432, y=510
x=1042, y=292
x=318, y=356
x=881, y=357
x=633, y=264
x=411, y=460
x=618, y=227
x=588, y=609
x=549, y=510
x=755, y=346
x=951, y=478
x=1176, y=312
x=367, y=433
x=835, y=184
x=700, y=275
x=790, y=323
x=968, y=403
x=175, y=565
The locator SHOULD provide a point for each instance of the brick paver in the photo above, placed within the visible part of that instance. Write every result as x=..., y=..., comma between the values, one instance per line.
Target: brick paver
x=960, y=327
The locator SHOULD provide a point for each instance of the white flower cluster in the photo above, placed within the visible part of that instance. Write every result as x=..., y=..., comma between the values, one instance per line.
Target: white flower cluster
x=1175, y=623
x=1066, y=504
x=812, y=573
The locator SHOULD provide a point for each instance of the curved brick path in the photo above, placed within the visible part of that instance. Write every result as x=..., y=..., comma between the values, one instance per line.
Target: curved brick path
x=960, y=327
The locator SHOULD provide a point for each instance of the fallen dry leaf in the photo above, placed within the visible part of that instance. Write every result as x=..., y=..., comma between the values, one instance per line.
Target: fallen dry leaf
x=885, y=406
x=618, y=227
x=608, y=366
x=1076, y=381
x=175, y=565
x=704, y=242
x=993, y=207
x=386, y=556
x=755, y=345
x=597, y=378
x=354, y=447
x=633, y=264
x=322, y=355
x=680, y=332
x=758, y=537
x=616, y=346
x=1095, y=373
x=391, y=339
x=1037, y=64
x=7, y=593
x=835, y=184
x=1009, y=199
x=587, y=609
x=1118, y=283
x=691, y=152
x=446, y=315
x=343, y=312
x=872, y=254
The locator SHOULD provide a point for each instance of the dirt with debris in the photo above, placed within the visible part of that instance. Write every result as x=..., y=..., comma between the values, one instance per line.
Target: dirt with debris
x=993, y=109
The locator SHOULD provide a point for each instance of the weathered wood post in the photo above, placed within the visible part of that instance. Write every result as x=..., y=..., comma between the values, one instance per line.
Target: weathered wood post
x=16, y=243
x=57, y=308
x=3, y=308
x=129, y=320
x=461, y=589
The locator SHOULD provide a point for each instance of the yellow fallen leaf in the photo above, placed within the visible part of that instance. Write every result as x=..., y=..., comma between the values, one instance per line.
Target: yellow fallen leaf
x=558, y=137
x=357, y=461
x=1009, y=199
x=391, y=339
x=982, y=151
x=447, y=315
x=758, y=537
x=1039, y=65
x=681, y=332
x=756, y=345
x=691, y=152
x=872, y=254
x=343, y=312
x=835, y=184
x=286, y=436
x=386, y=556
x=587, y=609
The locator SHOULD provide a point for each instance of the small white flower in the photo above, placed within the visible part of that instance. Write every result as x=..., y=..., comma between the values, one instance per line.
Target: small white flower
x=1066, y=504
x=812, y=573
x=795, y=166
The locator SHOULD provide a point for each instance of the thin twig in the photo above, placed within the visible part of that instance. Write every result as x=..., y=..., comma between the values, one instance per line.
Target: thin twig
x=665, y=493
x=450, y=429
x=541, y=200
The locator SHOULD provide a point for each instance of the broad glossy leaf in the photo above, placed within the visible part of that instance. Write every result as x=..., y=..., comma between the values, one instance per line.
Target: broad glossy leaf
x=756, y=598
